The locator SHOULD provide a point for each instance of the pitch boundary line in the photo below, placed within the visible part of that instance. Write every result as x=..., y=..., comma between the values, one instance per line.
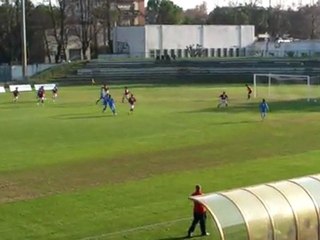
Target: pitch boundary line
x=134, y=229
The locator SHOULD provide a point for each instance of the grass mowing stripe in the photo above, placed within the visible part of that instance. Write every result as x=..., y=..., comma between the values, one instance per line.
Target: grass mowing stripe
x=136, y=229
x=91, y=174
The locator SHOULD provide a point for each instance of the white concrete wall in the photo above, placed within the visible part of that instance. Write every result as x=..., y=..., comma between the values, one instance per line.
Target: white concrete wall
x=167, y=37
x=247, y=37
x=129, y=40
x=178, y=37
x=221, y=36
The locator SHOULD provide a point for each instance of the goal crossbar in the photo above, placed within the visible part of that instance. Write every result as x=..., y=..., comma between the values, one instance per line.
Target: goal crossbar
x=271, y=75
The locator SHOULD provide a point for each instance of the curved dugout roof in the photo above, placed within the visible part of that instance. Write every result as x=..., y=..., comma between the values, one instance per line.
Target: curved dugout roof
x=285, y=210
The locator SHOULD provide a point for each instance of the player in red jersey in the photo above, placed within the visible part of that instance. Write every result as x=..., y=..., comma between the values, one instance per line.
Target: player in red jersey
x=41, y=95
x=126, y=94
x=131, y=101
x=15, y=94
x=199, y=215
x=223, y=100
x=249, y=91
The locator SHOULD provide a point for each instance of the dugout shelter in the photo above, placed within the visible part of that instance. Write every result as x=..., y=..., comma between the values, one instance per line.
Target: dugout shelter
x=285, y=210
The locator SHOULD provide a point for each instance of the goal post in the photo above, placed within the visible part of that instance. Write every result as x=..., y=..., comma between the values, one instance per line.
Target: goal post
x=270, y=81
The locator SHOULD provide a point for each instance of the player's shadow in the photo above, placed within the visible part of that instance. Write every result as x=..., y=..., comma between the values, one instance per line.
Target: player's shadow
x=297, y=105
x=182, y=237
x=18, y=104
x=80, y=116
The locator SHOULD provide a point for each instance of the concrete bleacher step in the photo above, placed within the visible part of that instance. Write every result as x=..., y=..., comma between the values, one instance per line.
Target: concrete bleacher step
x=185, y=70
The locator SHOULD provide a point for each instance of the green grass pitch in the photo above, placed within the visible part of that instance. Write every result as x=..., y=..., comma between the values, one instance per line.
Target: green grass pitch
x=68, y=171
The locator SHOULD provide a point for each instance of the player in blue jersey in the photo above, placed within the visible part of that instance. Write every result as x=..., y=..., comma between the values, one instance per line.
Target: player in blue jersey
x=109, y=101
x=104, y=90
x=264, y=108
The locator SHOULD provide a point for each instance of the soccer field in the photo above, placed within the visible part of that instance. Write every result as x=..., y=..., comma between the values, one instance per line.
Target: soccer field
x=69, y=171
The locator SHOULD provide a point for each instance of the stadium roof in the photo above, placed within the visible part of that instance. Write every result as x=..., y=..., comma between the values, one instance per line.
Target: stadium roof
x=285, y=210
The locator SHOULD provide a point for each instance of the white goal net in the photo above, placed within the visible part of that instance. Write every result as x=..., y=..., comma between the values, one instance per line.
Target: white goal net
x=281, y=86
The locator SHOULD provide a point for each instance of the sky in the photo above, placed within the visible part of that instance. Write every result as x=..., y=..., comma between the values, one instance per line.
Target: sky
x=186, y=4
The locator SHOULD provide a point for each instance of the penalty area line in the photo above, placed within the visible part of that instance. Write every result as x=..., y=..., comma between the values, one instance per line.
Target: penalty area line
x=135, y=229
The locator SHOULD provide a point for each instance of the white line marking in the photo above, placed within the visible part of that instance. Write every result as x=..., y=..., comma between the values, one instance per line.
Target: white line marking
x=134, y=229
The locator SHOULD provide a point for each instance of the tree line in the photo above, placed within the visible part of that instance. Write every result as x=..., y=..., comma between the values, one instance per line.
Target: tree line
x=301, y=22
x=88, y=22
x=59, y=20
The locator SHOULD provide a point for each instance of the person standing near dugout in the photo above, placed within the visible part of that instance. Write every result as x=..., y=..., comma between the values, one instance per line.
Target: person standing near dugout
x=199, y=215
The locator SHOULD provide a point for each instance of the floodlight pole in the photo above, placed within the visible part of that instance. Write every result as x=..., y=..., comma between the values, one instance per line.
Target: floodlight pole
x=24, y=41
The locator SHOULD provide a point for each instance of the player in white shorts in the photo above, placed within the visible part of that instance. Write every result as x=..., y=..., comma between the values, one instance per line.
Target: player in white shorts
x=223, y=100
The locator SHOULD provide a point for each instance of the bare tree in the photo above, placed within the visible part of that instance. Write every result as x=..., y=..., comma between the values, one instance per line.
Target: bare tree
x=60, y=31
x=197, y=15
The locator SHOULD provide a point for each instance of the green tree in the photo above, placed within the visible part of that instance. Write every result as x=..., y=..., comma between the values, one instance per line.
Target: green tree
x=222, y=15
x=164, y=12
x=10, y=30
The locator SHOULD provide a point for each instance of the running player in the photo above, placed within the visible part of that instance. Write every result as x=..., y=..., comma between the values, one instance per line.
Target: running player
x=112, y=105
x=223, y=100
x=104, y=90
x=264, y=108
x=15, y=94
x=131, y=101
x=109, y=101
x=249, y=91
x=125, y=94
x=41, y=95
x=54, y=93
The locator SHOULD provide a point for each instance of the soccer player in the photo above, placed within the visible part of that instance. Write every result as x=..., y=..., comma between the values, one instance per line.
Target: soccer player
x=125, y=94
x=131, y=101
x=109, y=101
x=41, y=95
x=54, y=93
x=104, y=90
x=249, y=91
x=264, y=108
x=15, y=94
x=223, y=100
